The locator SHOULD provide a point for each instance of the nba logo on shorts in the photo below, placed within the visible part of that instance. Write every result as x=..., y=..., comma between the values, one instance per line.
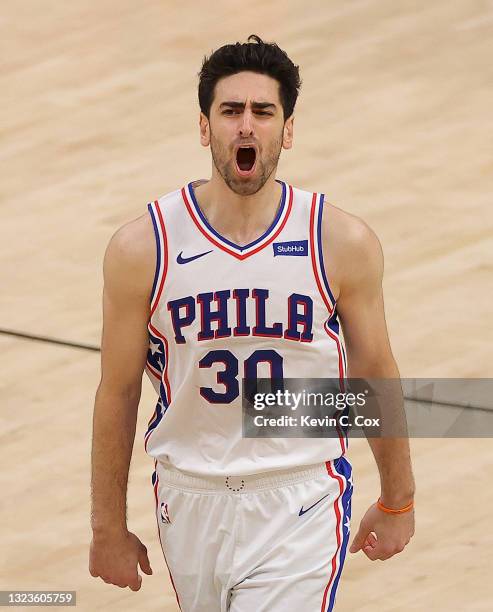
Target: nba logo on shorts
x=164, y=513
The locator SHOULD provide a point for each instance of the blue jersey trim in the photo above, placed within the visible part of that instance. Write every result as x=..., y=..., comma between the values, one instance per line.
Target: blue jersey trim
x=344, y=468
x=225, y=240
x=344, y=357
x=158, y=251
x=320, y=254
x=333, y=322
x=162, y=406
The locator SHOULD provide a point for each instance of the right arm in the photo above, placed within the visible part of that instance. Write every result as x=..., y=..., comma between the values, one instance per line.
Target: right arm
x=128, y=275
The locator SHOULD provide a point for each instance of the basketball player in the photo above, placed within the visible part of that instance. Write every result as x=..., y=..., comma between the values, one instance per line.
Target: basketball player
x=242, y=275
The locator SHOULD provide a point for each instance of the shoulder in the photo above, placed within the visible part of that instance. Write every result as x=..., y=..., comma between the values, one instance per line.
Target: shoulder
x=135, y=239
x=347, y=231
x=130, y=257
x=351, y=248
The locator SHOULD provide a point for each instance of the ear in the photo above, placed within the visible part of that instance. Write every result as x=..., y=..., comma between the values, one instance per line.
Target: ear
x=205, y=136
x=287, y=135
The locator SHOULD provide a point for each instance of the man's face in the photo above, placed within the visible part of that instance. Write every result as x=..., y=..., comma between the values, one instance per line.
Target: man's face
x=246, y=110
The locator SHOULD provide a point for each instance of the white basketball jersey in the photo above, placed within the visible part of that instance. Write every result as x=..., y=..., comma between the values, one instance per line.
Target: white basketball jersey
x=222, y=312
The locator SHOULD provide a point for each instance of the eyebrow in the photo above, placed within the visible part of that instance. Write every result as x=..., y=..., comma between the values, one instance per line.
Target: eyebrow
x=234, y=104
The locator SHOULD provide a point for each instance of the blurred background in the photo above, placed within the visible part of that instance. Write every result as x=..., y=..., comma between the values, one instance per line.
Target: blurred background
x=100, y=115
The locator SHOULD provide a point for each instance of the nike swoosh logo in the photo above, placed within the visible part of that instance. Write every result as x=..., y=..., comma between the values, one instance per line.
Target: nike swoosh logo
x=312, y=506
x=183, y=260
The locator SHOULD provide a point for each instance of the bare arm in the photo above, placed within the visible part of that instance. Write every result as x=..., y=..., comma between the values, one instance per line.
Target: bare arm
x=128, y=275
x=358, y=272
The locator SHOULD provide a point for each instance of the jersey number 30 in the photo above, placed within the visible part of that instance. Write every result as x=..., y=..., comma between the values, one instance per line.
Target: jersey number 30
x=229, y=376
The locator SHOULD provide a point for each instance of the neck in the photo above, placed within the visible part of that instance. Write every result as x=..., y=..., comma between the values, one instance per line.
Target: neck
x=240, y=218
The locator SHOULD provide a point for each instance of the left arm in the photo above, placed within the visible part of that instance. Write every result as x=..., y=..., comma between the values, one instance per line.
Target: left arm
x=356, y=262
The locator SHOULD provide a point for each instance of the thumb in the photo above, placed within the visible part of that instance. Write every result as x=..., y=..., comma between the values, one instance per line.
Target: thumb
x=144, y=562
x=358, y=540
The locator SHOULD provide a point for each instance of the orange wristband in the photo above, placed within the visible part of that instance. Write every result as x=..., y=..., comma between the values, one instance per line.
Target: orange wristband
x=392, y=511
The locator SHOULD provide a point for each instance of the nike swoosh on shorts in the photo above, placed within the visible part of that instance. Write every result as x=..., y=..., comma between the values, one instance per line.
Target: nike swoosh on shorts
x=313, y=505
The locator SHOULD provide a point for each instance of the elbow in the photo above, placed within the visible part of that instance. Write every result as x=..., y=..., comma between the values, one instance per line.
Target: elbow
x=128, y=391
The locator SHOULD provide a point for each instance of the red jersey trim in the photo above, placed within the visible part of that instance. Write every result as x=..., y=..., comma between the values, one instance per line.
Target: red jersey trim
x=229, y=250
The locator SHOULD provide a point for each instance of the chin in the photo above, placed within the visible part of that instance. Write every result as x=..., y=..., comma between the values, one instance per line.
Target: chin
x=244, y=186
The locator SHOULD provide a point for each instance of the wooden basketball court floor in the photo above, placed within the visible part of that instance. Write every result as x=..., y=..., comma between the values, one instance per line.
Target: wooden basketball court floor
x=100, y=116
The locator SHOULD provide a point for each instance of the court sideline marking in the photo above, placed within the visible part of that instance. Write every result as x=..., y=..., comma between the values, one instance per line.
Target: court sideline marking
x=94, y=348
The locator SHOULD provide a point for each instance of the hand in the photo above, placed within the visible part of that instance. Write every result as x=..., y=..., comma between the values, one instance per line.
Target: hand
x=114, y=557
x=382, y=535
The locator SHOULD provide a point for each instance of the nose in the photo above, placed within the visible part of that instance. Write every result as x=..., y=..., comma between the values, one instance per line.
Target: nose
x=246, y=125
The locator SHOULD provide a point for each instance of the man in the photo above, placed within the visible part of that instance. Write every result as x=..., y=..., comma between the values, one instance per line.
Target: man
x=239, y=277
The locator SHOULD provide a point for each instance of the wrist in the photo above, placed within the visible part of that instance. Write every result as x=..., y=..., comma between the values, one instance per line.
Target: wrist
x=395, y=511
x=109, y=531
x=397, y=499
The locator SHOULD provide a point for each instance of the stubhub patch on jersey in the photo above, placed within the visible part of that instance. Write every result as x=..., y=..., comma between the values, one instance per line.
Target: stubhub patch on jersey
x=293, y=248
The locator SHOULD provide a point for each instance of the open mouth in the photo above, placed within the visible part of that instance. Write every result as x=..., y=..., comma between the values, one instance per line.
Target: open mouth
x=245, y=159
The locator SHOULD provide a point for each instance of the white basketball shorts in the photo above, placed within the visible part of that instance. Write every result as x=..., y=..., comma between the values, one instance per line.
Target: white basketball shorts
x=268, y=542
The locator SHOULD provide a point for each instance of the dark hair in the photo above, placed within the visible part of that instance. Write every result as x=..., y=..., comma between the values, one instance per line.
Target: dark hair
x=261, y=57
